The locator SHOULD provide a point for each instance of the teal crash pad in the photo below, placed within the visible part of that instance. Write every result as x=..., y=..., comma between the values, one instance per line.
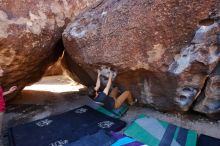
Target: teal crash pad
x=115, y=113
x=153, y=132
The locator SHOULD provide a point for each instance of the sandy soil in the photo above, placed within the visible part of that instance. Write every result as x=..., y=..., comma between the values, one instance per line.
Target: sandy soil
x=33, y=105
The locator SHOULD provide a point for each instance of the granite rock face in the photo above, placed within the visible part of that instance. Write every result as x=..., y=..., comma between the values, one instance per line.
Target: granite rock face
x=162, y=50
x=55, y=69
x=209, y=99
x=30, y=34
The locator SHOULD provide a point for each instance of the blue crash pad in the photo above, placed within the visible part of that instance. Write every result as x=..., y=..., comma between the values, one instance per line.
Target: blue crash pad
x=64, y=128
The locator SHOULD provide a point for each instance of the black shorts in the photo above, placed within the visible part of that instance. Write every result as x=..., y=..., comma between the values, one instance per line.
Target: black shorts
x=109, y=103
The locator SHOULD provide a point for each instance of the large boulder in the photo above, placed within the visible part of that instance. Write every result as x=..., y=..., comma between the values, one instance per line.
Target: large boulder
x=209, y=99
x=30, y=36
x=151, y=44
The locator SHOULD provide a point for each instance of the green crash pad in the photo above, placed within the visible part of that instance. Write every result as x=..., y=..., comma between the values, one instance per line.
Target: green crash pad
x=116, y=113
x=153, y=132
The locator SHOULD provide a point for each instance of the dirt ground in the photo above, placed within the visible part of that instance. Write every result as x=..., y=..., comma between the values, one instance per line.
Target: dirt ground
x=36, y=103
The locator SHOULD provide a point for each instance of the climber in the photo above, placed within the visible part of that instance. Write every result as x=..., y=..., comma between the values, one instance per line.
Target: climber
x=2, y=102
x=112, y=100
